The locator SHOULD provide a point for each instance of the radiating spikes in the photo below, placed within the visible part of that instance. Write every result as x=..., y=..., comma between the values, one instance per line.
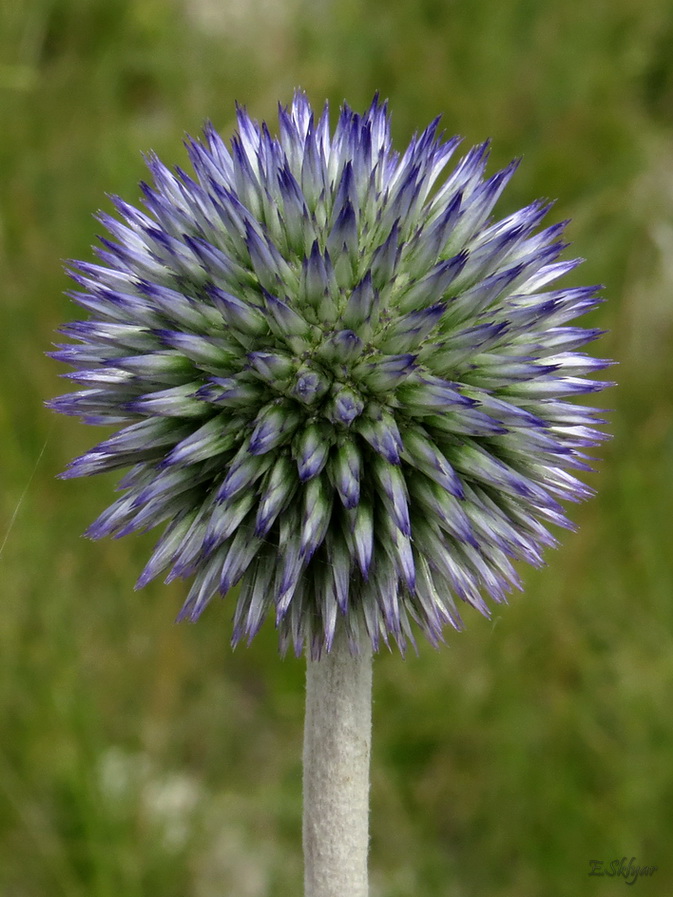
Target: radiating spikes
x=362, y=534
x=205, y=585
x=292, y=560
x=211, y=439
x=113, y=518
x=491, y=523
x=476, y=463
x=384, y=373
x=444, y=507
x=566, y=413
x=313, y=175
x=343, y=237
x=316, y=277
x=523, y=221
x=241, y=550
x=427, y=394
x=576, y=364
x=345, y=471
x=176, y=307
x=558, y=339
x=411, y=330
x=555, y=387
x=97, y=461
x=394, y=495
x=255, y=598
x=268, y=264
x=386, y=582
x=277, y=491
x=293, y=631
x=155, y=432
x=191, y=554
x=422, y=453
x=166, y=548
x=237, y=313
x=178, y=401
x=397, y=545
x=435, y=236
x=226, y=517
x=288, y=324
x=311, y=448
x=115, y=336
x=455, y=349
x=505, y=413
x=548, y=273
x=402, y=203
x=465, y=176
x=147, y=514
x=579, y=436
x=327, y=611
x=530, y=311
x=346, y=192
x=148, y=482
x=301, y=113
x=344, y=405
x=385, y=258
x=216, y=264
x=210, y=353
x=362, y=305
x=273, y=426
x=435, y=601
x=211, y=161
x=368, y=620
x=439, y=552
x=316, y=516
x=471, y=302
x=237, y=392
x=243, y=471
x=379, y=428
x=341, y=347
x=536, y=442
x=494, y=370
x=464, y=422
x=339, y=381
x=494, y=570
x=481, y=202
x=114, y=306
x=274, y=368
x=108, y=376
x=97, y=406
x=340, y=564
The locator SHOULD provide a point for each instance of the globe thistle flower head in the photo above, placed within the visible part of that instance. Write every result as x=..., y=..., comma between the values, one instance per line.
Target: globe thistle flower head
x=341, y=384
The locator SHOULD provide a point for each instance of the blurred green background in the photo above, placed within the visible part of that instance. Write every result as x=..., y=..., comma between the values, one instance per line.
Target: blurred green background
x=142, y=758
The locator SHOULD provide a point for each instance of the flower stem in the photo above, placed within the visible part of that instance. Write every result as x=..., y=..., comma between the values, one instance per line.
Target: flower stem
x=337, y=738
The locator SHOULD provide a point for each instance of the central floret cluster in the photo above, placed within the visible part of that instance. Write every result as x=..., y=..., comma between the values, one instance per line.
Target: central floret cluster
x=340, y=383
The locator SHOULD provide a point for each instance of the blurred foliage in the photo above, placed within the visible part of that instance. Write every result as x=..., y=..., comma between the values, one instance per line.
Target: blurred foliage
x=141, y=758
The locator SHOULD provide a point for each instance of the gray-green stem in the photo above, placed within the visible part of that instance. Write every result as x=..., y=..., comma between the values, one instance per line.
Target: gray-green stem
x=337, y=739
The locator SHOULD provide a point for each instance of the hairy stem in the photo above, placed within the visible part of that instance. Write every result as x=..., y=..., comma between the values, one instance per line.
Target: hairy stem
x=337, y=738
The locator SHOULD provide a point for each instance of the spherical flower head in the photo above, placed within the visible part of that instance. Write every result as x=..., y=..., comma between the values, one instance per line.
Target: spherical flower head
x=341, y=385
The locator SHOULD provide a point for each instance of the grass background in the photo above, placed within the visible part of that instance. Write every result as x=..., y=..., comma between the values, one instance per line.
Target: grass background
x=141, y=758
